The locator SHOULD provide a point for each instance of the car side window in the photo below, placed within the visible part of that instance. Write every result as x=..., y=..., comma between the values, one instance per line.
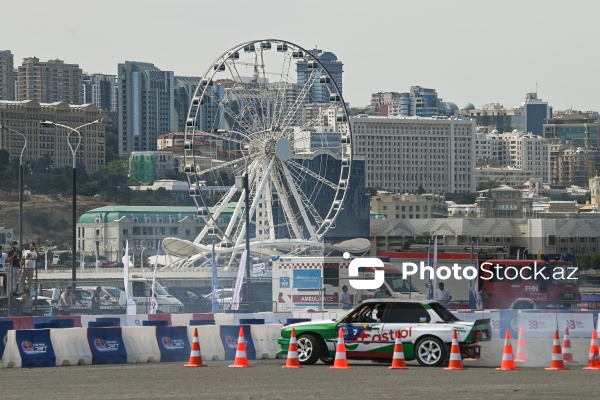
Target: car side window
x=407, y=313
x=139, y=289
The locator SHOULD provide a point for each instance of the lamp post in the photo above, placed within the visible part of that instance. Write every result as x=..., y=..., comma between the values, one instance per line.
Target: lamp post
x=48, y=124
x=10, y=270
x=246, y=187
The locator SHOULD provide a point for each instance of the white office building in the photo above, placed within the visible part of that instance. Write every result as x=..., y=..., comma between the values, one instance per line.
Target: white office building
x=410, y=154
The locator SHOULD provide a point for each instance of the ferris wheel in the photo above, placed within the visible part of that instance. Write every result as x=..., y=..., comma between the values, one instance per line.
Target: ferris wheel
x=269, y=128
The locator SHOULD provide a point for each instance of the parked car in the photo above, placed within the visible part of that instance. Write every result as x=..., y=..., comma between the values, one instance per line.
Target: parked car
x=192, y=301
x=224, y=297
x=426, y=328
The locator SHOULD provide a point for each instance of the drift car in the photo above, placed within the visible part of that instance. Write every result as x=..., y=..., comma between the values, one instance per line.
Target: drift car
x=370, y=329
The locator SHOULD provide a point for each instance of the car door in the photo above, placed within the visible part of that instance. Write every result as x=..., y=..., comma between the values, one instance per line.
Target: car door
x=406, y=318
x=362, y=332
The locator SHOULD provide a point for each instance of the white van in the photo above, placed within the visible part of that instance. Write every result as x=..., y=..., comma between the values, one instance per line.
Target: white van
x=140, y=290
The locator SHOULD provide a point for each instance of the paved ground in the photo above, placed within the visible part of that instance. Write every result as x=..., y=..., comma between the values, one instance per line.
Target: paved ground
x=267, y=380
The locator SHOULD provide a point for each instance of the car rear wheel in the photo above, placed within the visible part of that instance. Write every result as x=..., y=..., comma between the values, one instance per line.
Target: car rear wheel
x=309, y=349
x=430, y=352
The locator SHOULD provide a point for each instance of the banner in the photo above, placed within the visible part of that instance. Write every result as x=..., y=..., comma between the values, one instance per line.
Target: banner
x=430, y=282
x=235, y=303
x=472, y=288
x=229, y=338
x=35, y=348
x=435, y=262
x=107, y=345
x=215, y=281
x=130, y=303
x=173, y=343
x=153, y=302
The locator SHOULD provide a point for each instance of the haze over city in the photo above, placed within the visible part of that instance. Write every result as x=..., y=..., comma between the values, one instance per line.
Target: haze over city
x=478, y=52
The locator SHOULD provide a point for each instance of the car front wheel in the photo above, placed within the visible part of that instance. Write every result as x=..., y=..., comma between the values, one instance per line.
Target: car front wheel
x=309, y=349
x=430, y=352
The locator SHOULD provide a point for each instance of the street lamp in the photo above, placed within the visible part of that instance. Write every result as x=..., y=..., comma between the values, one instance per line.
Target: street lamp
x=10, y=271
x=246, y=186
x=48, y=124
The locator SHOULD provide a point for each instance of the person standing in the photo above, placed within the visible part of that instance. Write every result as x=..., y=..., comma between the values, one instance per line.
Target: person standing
x=67, y=298
x=444, y=296
x=96, y=301
x=28, y=263
x=345, y=298
x=3, y=258
x=14, y=258
x=380, y=293
x=27, y=303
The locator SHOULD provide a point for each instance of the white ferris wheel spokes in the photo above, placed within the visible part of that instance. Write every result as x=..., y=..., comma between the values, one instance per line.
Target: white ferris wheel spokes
x=254, y=112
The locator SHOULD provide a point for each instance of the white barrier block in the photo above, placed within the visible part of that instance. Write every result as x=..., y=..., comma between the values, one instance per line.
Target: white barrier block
x=211, y=346
x=11, y=357
x=275, y=318
x=86, y=319
x=265, y=340
x=133, y=320
x=71, y=346
x=181, y=319
x=141, y=344
x=224, y=319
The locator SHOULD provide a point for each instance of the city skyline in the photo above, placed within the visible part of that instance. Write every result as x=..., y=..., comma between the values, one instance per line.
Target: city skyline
x=468, y=52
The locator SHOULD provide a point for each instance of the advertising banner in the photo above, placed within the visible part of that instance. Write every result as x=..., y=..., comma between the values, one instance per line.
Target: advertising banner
x=307, y=279
x=543, y=325
x=173, y=343
x=35, y=348
x=107, y=346
x=229, y=337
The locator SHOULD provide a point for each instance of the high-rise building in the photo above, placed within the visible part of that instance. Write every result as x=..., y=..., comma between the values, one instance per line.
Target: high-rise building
x=580, y=129
x=185, y=86
x=419, y=101
x=146, y=105
x=320, y=92
x=49, y=81
x=536, y=112
x=414, y=154
x=24, y=116
x=101, y=90
x=7, y=79
x=494, y=116
x=523, y=151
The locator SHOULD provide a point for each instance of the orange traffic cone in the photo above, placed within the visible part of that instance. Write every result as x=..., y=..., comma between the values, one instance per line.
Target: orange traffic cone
x=195, y=355
x=340, y=353
x=594, y=360
x=557, y=363
x=398, y=358
x=241, y=359
x=521, y=347
x=455, y=359
x=292, y=355
x=508, y=364
x=566, y=348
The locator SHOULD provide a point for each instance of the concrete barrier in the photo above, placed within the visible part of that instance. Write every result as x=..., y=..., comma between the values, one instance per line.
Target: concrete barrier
x=181, y=319
x=210, y=342
x=11, y=357
x=265, y=340
x=71, y=346
x=141, y=345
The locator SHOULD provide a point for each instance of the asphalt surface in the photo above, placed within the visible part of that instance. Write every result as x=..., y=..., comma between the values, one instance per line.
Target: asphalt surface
x=267, y=380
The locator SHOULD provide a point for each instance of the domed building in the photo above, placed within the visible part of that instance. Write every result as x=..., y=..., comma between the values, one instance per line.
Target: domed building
x=468, y=107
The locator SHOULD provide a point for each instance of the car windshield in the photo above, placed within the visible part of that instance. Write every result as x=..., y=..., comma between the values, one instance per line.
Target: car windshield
x=444, y=314
x=113, y=292
x=400, y=285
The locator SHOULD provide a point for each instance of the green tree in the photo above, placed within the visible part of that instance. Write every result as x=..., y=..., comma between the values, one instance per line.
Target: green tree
x=493, y=184
x=465, y=198
x=595, y=261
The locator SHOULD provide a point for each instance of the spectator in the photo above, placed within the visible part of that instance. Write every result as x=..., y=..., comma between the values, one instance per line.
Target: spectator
x=67, y=298
x=380, y=293
x=96, y=301
x=14, y=258
x=345, y=298
x=27, y=303
x=444, y=296
x=28, y=262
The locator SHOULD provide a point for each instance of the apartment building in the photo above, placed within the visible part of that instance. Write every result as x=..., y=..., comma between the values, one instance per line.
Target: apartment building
x=49, y=81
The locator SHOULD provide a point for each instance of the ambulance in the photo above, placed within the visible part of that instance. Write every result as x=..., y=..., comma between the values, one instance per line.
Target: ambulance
x=315, y=283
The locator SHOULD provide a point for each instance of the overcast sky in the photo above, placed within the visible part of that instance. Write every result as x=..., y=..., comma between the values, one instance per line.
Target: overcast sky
x=469, y=51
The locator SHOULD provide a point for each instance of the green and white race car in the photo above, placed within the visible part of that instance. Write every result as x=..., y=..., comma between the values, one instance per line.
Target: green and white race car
x=370, y=329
